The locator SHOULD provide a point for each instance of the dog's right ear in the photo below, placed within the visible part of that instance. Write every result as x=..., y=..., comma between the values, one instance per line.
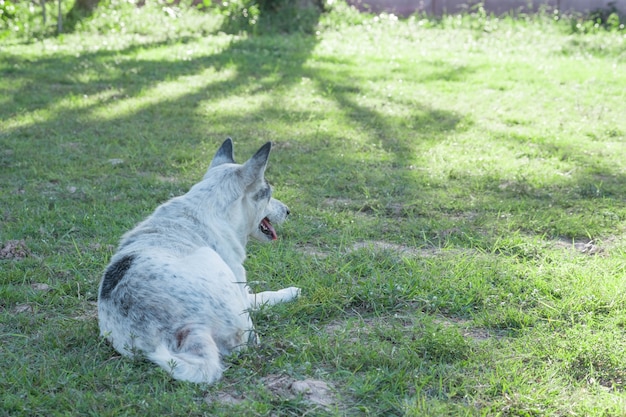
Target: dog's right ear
x=254, y=168
x=224, y=154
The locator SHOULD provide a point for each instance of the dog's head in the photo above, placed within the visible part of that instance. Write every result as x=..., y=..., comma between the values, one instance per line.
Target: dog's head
x=251, y=202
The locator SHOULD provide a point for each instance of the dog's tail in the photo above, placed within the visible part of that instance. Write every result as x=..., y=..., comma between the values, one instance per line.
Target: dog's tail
x=192, y=356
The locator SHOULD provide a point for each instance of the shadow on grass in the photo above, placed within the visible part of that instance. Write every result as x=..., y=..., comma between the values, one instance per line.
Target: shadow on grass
x=261, y=68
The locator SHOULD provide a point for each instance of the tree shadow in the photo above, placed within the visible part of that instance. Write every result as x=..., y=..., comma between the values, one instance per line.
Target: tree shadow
x=392, y=130
x=45, y=83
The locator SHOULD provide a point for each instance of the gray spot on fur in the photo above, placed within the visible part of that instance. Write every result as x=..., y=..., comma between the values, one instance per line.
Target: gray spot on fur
x=125, y=304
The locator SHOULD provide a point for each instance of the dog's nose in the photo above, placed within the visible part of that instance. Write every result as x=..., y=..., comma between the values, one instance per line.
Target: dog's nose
x=288, y=211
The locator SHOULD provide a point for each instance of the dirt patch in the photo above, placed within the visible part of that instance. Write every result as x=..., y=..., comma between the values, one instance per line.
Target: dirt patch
x=363, y=207
x=403, y=251
x=364, y=327
x=400, y=250
x=225, y=398
x=314, y=251
x=40, y=286
x=14, y=249
x=338, y=202
x=586, y=247
x=468, y=331
x=356, y=331
x=314, y=391
x=378, y=245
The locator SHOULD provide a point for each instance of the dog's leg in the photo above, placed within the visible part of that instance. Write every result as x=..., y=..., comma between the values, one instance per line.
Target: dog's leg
x=273, y=297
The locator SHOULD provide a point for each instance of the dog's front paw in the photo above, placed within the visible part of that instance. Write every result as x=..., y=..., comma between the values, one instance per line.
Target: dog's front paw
x=274, y=297
x=291, y=293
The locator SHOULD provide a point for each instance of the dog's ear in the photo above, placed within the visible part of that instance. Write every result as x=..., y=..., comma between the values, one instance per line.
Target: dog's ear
x=224, y=154
x=254, y=168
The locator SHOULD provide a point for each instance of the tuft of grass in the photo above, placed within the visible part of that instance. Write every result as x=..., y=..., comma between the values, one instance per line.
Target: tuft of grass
x=457, y=195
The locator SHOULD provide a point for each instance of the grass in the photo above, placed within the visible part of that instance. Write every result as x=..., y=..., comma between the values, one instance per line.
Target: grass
x=457, y=190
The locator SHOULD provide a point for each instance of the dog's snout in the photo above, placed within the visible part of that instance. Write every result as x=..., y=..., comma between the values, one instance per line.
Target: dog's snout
x=287, y=211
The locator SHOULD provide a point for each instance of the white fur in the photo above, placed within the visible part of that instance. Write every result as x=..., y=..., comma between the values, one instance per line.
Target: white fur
x=176, y=290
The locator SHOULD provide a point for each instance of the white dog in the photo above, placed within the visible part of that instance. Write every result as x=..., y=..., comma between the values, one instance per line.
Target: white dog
x=176, y=290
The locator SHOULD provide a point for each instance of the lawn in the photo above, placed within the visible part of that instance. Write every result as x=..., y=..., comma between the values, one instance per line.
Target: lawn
x=458, y=199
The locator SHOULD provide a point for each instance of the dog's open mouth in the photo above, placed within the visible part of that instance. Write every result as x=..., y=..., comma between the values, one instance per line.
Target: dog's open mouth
x=267, y=229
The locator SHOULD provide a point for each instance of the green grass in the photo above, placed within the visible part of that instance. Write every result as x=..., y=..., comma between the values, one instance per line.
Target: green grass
x=457, y=190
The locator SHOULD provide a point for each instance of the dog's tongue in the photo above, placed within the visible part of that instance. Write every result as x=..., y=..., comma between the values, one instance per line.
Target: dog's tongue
x=266, y=223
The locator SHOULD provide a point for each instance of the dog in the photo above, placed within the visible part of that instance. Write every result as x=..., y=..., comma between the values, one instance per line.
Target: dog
x=175, y=291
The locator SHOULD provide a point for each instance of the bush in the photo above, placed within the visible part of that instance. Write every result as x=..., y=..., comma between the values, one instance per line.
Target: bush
x=598, y=20
x=7, y=10
x=260, y=16
x=7, y=17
